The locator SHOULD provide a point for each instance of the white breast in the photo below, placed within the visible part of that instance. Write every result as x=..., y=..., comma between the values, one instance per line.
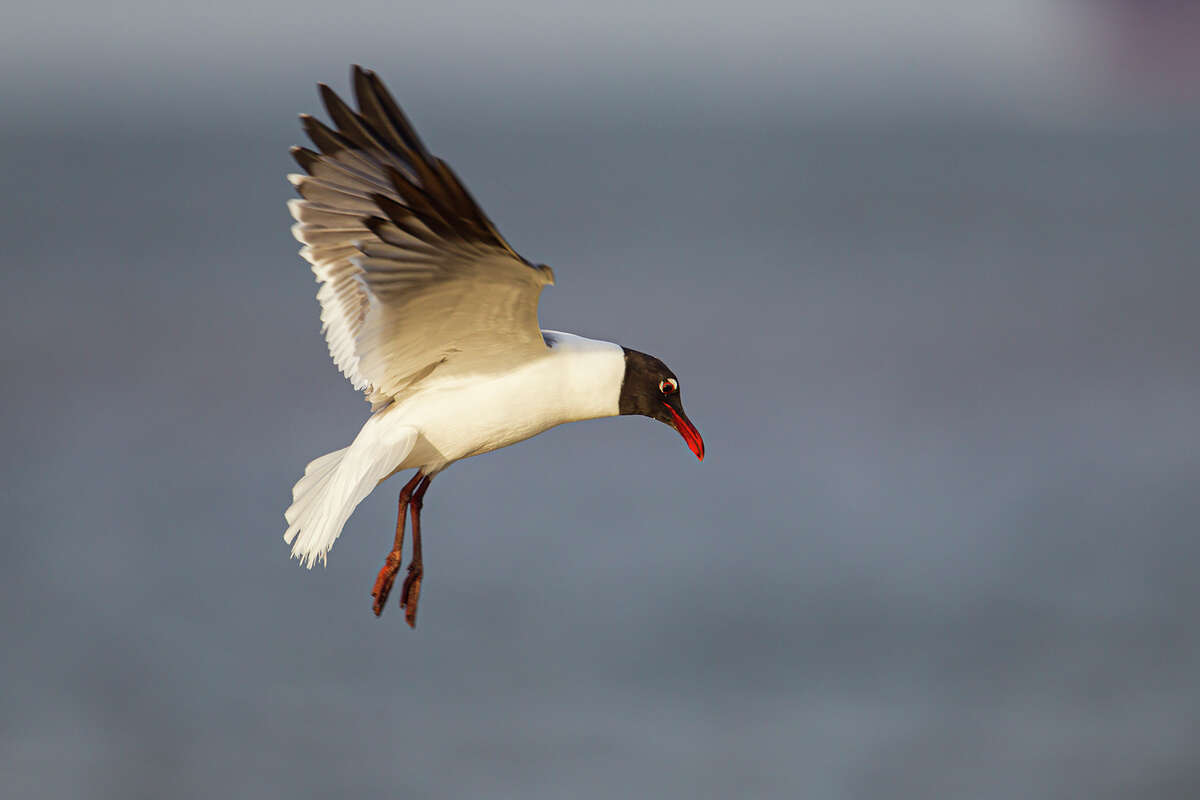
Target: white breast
x=577, y=379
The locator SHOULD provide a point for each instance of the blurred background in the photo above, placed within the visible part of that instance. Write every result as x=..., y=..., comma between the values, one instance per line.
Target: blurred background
x=927, y=271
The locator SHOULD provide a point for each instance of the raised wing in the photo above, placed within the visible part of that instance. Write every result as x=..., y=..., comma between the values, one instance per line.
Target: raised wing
x=415, y=279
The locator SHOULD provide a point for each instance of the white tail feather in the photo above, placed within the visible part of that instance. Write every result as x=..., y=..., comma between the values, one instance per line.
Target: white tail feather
x=334, y=484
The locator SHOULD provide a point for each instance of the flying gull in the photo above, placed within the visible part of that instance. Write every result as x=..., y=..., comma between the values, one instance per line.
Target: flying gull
x=429, y=311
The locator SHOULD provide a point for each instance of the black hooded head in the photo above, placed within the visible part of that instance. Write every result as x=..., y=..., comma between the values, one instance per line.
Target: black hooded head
x=652, y=390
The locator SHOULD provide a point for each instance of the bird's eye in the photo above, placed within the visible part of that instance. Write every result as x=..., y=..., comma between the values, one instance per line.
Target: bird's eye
x=668, y=386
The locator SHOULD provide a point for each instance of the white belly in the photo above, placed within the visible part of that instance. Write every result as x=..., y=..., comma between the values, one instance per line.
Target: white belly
x=578, y=379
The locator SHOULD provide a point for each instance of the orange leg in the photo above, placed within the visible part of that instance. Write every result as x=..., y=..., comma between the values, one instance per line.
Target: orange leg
x=410, y=593
x=387, y=575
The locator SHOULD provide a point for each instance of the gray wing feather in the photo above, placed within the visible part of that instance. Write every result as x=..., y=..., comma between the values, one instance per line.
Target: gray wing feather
x=415, y=279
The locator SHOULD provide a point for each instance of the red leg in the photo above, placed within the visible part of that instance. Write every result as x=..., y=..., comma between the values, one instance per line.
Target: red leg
x=410, y=593
x=387, y=575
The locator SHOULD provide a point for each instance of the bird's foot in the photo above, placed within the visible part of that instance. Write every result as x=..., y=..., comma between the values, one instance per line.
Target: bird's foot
x=410, y=593
x=384, y=581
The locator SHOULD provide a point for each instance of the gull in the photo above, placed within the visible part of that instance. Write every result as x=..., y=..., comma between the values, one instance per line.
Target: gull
x=433, y=316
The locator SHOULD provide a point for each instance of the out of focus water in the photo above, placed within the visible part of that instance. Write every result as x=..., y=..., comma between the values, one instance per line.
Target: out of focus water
x=944, y=544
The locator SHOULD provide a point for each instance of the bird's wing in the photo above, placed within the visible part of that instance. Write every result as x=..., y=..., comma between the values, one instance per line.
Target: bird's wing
x=415, y=279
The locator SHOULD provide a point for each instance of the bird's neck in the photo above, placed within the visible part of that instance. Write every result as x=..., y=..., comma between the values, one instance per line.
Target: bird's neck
x=586, y=375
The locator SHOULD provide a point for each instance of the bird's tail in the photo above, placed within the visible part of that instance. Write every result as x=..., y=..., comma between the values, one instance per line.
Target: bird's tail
x=334, y=484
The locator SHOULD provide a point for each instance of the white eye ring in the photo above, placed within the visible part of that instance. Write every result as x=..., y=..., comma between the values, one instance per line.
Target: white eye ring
x=668, y=386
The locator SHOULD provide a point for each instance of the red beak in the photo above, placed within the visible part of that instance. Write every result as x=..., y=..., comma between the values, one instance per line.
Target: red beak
x=688, y=431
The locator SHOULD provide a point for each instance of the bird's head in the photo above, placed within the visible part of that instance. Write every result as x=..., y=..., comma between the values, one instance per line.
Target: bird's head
x=652, y=390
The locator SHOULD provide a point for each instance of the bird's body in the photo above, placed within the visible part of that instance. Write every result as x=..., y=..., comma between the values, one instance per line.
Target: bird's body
x=576, y=379
x=450, y=420
x=434, y=316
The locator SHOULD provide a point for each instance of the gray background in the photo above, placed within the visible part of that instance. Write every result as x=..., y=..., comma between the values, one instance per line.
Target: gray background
x=927, y=273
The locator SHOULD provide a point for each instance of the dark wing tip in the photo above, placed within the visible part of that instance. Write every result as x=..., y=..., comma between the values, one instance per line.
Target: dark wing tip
x=306, y=158
x=329, y=97
x=373, y=224
x=426, y=186
x=395, y=210
x=327, y=140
